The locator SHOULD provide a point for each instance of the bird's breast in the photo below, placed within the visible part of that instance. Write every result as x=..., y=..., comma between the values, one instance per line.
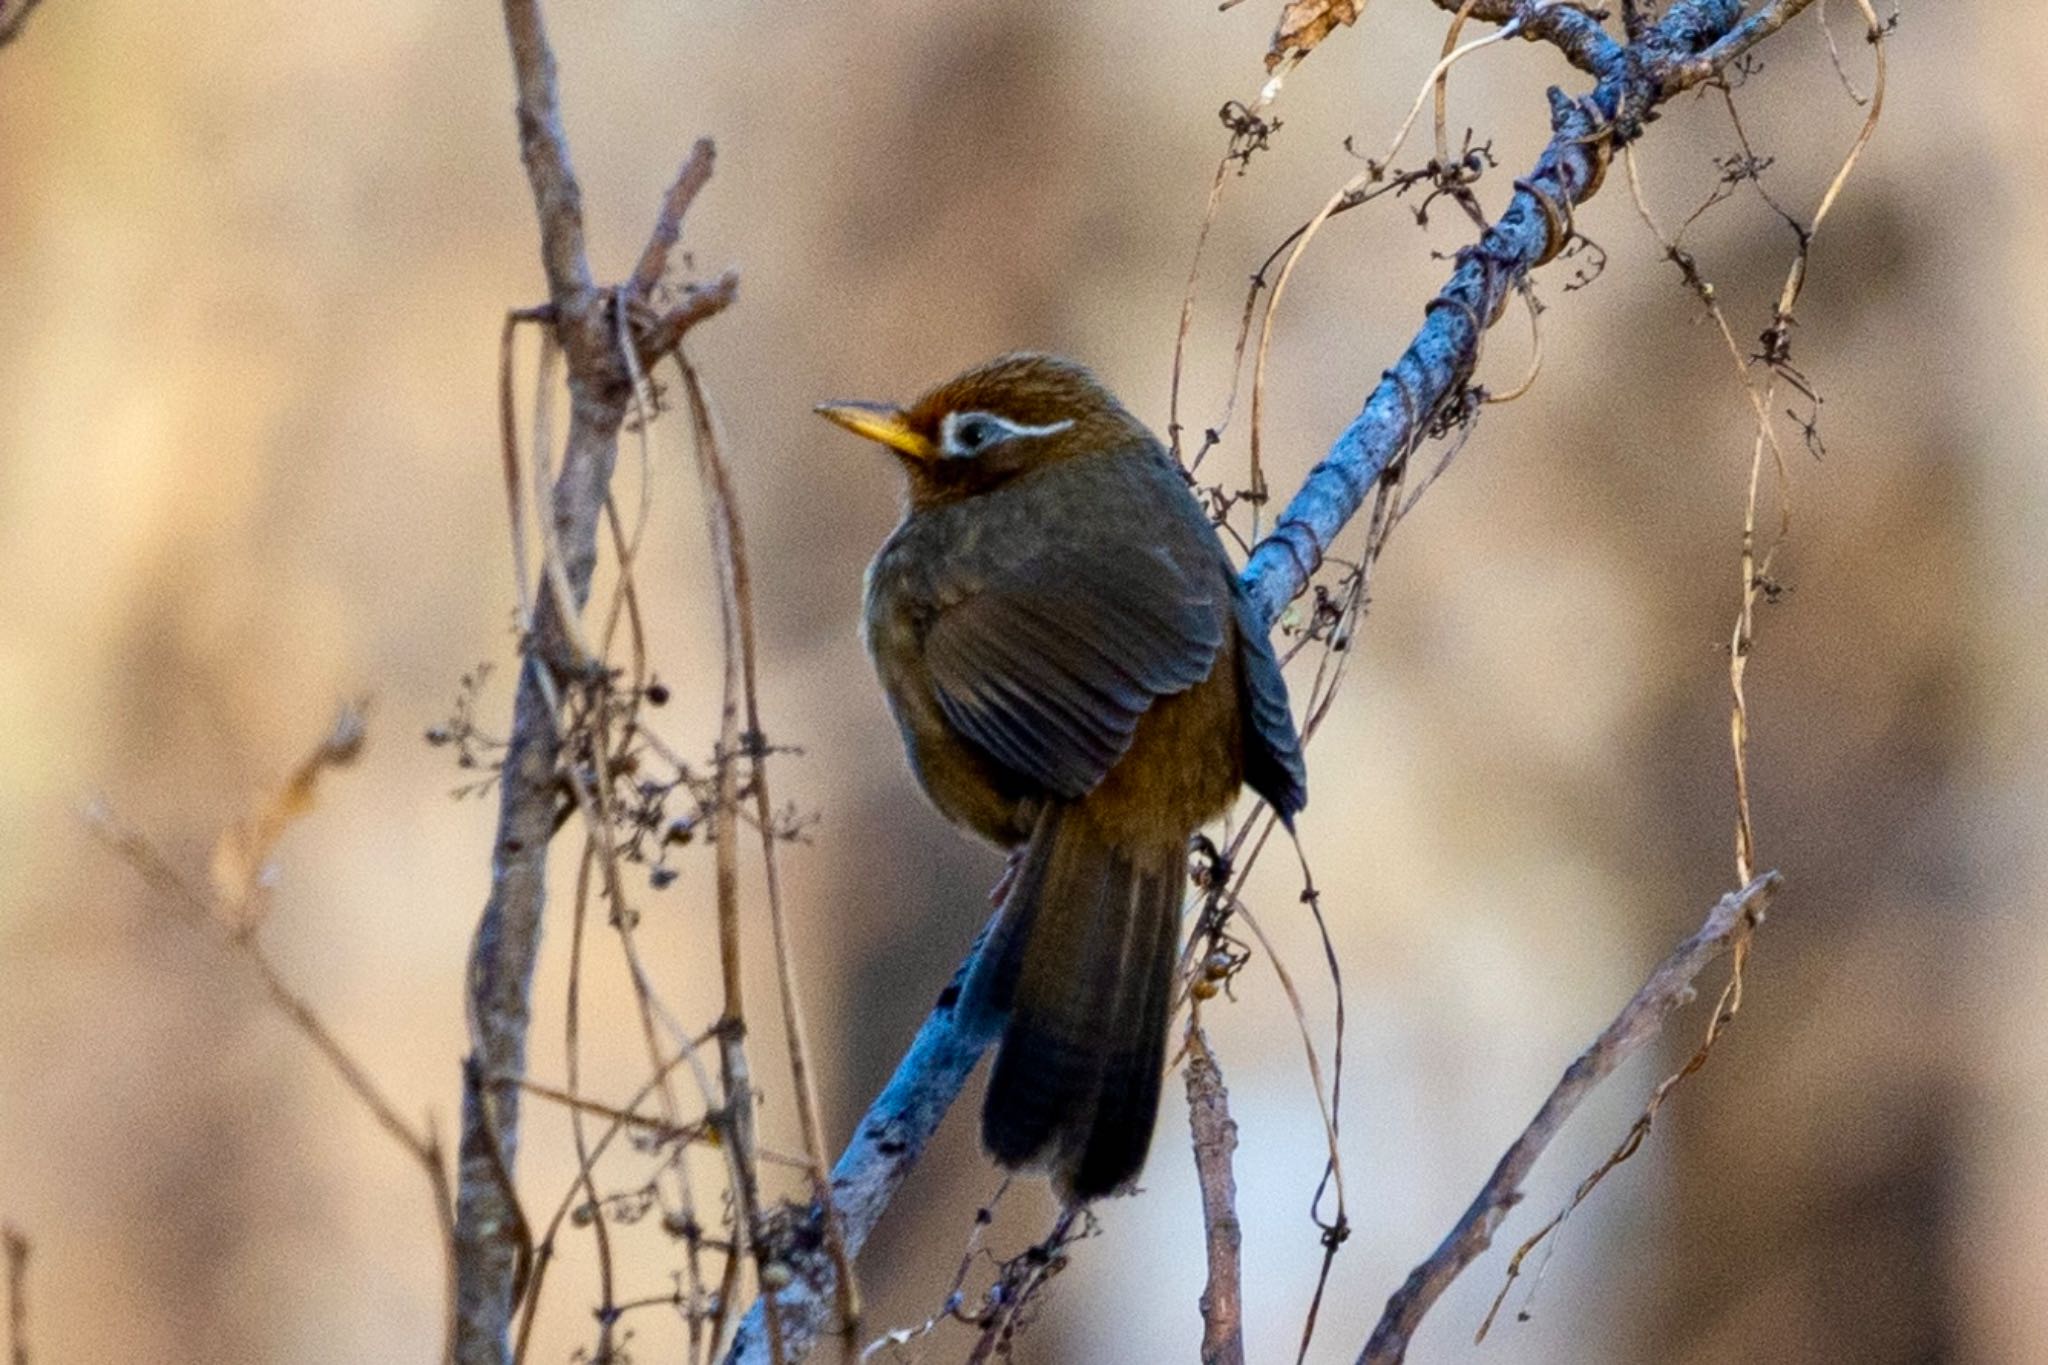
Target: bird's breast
x=910, y=581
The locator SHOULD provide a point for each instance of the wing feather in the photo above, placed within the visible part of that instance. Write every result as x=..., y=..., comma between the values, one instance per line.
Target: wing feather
x=1273, y=765
x=1050, y=664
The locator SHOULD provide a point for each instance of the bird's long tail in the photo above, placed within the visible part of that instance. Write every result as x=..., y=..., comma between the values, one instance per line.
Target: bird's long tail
x=1078, y=974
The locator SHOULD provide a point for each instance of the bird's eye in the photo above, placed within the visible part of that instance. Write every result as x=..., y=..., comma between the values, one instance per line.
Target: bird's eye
x=965, y=435
x=973, y=433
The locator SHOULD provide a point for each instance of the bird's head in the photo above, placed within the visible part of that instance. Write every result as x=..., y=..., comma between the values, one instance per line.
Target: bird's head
x=1001, y=419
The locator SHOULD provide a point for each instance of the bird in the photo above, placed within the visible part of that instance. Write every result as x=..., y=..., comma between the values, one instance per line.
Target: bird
x=1079, y=678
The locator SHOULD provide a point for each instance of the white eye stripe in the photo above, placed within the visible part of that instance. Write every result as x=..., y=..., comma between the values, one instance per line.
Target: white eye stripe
x=987, y=430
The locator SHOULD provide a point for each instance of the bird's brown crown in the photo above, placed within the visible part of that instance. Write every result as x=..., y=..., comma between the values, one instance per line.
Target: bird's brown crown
x=1000, y=419
x=1024, y=387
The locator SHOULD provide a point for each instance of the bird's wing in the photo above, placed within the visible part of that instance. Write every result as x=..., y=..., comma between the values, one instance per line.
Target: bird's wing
x=1048, y=666
x=1273, y=765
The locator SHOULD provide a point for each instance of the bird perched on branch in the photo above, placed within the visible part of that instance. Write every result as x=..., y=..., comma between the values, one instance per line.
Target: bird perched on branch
x=1079, y=678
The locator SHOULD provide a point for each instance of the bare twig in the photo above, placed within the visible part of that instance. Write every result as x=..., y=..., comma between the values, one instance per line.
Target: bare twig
x=738, y=1111
x=1020, y=1282
x=572, y=1051
x=1214, y=1135
x=17, y=1247
x=544, y=147
x=1670, y=986
x=13, y=17
x=225, y=914
x=621, y=1120
x=690, y=180
x=1375, y=170
x=951, y=1308
x=490, y=1227
x=699, y=301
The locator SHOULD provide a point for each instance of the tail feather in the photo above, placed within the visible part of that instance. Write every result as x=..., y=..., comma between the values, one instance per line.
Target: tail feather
x=1080, y=972
x=1116, y=1140
x=991, y=985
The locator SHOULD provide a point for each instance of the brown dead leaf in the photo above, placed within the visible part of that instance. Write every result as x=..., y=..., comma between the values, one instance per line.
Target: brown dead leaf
x=242, y=855
x=1304, y=23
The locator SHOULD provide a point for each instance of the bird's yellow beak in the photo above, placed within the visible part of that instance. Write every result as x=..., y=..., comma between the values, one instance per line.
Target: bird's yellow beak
x=878, y=422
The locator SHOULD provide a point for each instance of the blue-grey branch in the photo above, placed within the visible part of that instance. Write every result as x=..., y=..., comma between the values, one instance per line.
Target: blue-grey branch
x=1690, y=44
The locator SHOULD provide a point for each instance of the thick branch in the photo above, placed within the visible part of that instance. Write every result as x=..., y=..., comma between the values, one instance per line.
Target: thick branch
x=1429, y=376
x=879, y=1158
x=1639, y=1022
x=1574, y=32
x=489, y=1231
x=1684, y=74
x=1439, y=361
x=492, y=1243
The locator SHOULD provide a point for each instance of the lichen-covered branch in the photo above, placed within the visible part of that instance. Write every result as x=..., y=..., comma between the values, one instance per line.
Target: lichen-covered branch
x=1693, y=40
x=883, y=1151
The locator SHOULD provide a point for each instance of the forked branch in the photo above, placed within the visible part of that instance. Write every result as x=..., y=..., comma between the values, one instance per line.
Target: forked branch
x=492, y=1242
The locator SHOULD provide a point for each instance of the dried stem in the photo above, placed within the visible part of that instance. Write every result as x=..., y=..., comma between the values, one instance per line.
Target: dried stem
x=572, y=1050
x=737, y=606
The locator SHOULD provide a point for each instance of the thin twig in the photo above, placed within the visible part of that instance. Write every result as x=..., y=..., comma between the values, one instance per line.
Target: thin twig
x=690, y=180
x=572, y=1051
x=1670, y=986
x=1374, y=171
x=621, y=1120
x=952, y=1305
x=225, y=922
x=11, y=21
x=699, y=303
x=17, y=1246
x=1022, y=1280
x=1214, y=1137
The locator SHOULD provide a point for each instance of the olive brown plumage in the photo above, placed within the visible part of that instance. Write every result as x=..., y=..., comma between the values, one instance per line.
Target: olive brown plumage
x=1077, y=676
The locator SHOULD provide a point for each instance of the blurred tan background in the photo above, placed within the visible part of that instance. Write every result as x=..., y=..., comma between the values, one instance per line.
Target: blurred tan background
x=253, y=261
